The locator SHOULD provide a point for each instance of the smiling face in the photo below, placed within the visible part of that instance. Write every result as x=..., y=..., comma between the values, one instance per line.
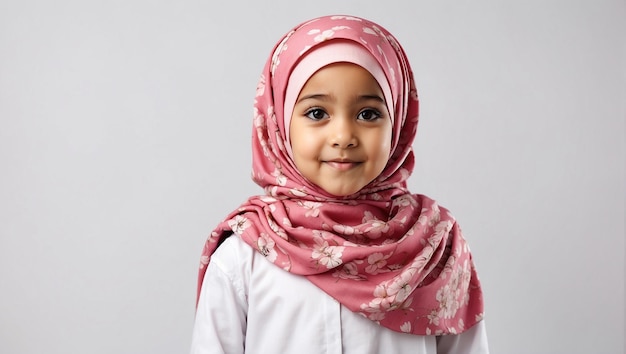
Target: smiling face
x=340, y=129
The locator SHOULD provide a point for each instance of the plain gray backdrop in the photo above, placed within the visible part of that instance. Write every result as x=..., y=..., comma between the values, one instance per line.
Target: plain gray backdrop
x=125, y=137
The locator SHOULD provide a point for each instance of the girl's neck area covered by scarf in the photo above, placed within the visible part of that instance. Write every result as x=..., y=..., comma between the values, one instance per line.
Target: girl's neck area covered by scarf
x=397, y=258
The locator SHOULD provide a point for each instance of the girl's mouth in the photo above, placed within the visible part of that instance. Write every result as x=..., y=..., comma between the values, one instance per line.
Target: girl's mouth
x=342, y=165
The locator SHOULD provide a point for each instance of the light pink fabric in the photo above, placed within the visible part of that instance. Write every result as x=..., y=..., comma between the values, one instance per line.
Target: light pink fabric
x=397, y=258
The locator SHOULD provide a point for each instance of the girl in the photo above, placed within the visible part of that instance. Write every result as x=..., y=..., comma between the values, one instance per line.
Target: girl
x=337, y=256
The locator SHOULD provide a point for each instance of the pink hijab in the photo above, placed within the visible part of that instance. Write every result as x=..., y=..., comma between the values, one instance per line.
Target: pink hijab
x=397, y=258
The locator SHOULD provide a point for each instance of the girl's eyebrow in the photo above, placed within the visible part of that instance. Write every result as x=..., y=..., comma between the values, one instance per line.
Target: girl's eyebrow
x=371, y=97
x=323, y=97
x=315, y=96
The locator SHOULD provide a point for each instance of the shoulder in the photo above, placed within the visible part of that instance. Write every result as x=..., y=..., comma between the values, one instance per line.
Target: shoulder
x=233, y=258
x=230, y=252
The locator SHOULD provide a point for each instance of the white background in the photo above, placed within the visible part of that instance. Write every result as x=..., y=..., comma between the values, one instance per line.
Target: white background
x=124, y=139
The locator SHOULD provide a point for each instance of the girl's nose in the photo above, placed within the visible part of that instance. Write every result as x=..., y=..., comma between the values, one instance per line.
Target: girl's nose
x=342, y=133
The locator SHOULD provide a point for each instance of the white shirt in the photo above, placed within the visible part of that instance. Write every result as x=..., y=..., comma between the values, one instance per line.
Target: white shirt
x=248, y=305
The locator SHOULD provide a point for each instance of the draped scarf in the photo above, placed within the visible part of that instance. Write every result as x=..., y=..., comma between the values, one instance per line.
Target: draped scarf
x=397, y=258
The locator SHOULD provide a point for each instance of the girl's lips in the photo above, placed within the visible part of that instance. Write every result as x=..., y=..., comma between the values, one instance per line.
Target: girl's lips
x=342, y=165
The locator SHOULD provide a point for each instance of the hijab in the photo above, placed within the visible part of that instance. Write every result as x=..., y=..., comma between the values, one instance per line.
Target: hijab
x=397, y=258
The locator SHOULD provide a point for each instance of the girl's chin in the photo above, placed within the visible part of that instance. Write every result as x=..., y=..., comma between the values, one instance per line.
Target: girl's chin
x=342, y=191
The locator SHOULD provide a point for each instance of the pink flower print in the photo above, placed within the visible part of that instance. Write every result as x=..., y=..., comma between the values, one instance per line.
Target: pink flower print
x=400, y=286
x=377, y=316
x=423, y=219
x=436, y=217
x=239, y=224
x=367, y=216
x=411, y=231
x=214, y=237
x=394, y=266
x=344, y=230
x=466, y=248
x=390, y=296
x=260, y=87
x=461, y=324
x=281, y=48
x=406, y=327
x=457, y=250
x=372, y=311
x=279, y=142
x=465, y=276
x=433, y=317
x=272, y=191
x=423, y=257
x=393, y=43
x=455, y=280
x=404, y=172
x=312, y=208
x=376, y=31
x=375, y=196
x=268, y=200
x=370, y=31
x=306, y=47
x=406, y=305
x=320, y=236
x=349, y=271
x=281, y=179
x=447, y=268
x=376, y=263
x=448, y=304
x=383, y=299
x=404, y=201
x=377, y=228
x=322, y=36
x=442, y=229
x=274, y=227
x=259, y=119
x=401, y=221
x=265, y=246
x=298, y=192
x=263, y=142
x=329, y=256
x=204, y=260
x=275, y=62
x=349, y=18
x=271, y=113
x=327, y=34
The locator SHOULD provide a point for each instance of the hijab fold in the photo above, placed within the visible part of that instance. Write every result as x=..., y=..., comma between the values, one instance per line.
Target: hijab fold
x=397, y=258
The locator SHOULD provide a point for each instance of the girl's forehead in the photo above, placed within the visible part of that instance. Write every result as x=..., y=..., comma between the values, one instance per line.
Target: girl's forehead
x=342, y=80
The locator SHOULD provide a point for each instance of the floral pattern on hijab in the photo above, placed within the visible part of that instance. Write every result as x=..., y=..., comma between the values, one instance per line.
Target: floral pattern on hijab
x=397, y=258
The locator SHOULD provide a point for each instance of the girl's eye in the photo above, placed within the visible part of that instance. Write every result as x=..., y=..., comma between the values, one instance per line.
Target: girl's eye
x=369, y=115
x=315, y=114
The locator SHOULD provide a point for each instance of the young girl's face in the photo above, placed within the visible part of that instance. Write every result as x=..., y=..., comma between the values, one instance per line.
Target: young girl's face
x=340, y=129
